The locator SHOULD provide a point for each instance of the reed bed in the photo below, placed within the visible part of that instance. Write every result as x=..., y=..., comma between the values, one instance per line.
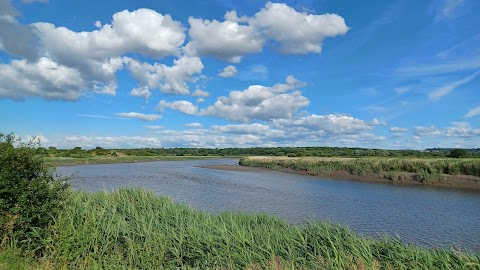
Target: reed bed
x=135, y=229
x=425, y=169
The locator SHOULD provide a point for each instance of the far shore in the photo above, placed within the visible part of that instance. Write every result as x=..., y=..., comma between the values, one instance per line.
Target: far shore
x=69, y=161
x=467, y=182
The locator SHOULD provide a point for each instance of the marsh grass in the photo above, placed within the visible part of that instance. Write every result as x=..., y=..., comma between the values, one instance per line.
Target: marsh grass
x=109, y=159
x=425, y=169
x=135, y=229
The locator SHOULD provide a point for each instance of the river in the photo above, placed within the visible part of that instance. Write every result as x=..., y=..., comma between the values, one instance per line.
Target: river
x=426, y=216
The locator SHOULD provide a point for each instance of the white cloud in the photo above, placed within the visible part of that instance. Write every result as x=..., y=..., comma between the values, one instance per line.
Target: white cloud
x=446, y=89
x=462, y=130
x=244, y=129
x=15, y=38
x=141, y=116
x=183, y=106
x=421, y=131
x=196, y=125
x=142, y=31
x=96, y=55
x=108, y=141
x=228, y=72
x=297, y=32
x=259, y=102
x=141, y=92
x=44, y=78
x=331, y=123
x=473, y=112
x=200, y=93
x=377, y=122
x=398, y=129
x=200, y=100
x=170, y=79
x=226, y=40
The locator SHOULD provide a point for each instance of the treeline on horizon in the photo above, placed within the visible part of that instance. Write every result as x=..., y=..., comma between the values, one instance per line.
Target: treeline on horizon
x=267, y=151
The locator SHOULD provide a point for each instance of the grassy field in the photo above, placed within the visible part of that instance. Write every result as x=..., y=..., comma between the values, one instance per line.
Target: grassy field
x=103, y=159
x=135, y=229
x=424, y=169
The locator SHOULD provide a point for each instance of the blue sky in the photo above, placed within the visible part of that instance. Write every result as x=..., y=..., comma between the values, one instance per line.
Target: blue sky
x=387, y=74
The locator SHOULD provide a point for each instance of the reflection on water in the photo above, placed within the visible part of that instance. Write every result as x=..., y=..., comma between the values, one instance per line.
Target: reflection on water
x=426, y=216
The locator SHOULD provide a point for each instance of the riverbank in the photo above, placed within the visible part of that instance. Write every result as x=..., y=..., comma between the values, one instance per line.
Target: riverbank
x=135, y=229
x=388, y=170
x=102, y=159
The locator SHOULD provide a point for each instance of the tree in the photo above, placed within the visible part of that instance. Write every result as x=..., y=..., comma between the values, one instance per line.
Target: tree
x=458, y=153
x=30, y=195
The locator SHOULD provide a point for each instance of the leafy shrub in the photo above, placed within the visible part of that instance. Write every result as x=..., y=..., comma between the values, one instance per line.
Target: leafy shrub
x=458, y=153
x=30, y=195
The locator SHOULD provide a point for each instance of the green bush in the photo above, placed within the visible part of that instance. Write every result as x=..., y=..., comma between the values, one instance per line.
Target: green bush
x=458, y=153
x=30, y=195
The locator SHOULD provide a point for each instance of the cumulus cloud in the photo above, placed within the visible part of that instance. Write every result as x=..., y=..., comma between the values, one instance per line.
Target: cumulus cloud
x=142, y=31
x=398, y=129
x=141, y=116
x=200, y=93
x=446, y=89
x=15, y=38
x=228, y=72
x=183, y=106
x=297, y=32
x=226, y=40
x=462, y=130
x=473, y=112
x=196, y=125
x=44, y=78
x=141, y=92
x=96, y=56
x=259, y=102
x=244, y=129
x=169, y=79
x=331, y=123
x=421, y=131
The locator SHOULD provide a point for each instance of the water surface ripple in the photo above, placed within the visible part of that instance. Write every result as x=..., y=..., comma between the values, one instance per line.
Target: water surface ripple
x=427, y=216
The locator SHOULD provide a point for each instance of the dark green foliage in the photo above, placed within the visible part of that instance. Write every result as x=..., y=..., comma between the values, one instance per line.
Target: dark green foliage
x=30, y=196
x=458, y=153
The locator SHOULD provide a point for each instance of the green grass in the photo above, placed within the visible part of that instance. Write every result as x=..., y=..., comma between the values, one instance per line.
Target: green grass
x=135, y=229
x=425, y=169
x=109, y=159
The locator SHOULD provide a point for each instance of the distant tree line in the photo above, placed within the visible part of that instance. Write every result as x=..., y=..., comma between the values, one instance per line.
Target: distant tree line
x=267, y=151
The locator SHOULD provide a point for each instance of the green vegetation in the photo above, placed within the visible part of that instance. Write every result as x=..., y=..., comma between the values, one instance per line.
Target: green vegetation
x=458, y=153
x=425, y=169
x=44, y=225
x=134, y=229
x=30, y=196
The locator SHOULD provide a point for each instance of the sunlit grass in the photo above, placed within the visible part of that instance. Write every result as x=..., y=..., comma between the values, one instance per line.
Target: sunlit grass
x=135, y=229
x=425, y=169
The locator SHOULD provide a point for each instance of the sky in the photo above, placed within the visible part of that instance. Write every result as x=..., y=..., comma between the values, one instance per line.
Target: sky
x=401, y=74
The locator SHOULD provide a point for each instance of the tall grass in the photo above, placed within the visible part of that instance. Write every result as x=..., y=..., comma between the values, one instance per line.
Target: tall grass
x=425, y=169
x=134, y=229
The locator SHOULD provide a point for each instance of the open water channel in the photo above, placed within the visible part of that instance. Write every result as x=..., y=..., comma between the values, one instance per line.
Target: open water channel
x=426, y=216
